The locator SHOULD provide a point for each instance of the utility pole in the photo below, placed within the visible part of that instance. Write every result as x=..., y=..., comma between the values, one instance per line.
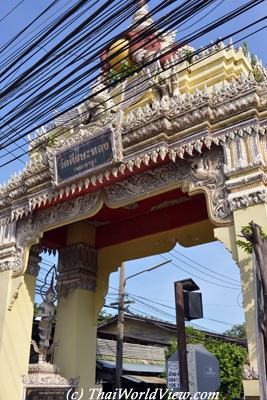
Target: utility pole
x=120, y=329
x=181, y=337
x=121, y=308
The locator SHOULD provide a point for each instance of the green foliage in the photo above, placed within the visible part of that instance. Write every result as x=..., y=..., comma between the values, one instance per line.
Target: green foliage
x=231, y=358
x=245, y=48
x=194, y=336
x=258, y=75
x=103, y=316
x=52, y=138
x=256, y=70
x=125, y=70
x=237, y=331
x=253, y=61
x=188, y=55
x=244, y=244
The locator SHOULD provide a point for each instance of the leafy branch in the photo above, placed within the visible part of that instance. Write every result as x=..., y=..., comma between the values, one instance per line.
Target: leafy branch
x=256, y=70
x=188, y=55
x=245, y=244
x=125, y=69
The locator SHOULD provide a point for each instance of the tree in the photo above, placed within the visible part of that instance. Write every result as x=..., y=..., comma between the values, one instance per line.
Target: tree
x=103, y=316
x=256, y=242
x=237, y=331
x=231, y=358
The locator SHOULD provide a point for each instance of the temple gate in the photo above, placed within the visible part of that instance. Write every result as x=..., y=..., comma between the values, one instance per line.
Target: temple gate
x=127, y=175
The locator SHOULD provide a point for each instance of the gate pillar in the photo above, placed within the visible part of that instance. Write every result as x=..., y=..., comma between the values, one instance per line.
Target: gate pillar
x=16, y=315
x=228, y=236
x=75, y=333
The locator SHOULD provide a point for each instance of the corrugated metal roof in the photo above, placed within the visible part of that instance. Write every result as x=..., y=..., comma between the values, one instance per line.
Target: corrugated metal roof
x=157, y=369
x=145, y=379
x=133, y=351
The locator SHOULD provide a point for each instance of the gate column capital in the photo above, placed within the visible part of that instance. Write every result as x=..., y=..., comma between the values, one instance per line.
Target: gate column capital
x=34, y=260
x=77, y=268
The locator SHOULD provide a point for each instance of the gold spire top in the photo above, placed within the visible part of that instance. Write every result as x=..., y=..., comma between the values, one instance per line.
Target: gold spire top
x=141, y=13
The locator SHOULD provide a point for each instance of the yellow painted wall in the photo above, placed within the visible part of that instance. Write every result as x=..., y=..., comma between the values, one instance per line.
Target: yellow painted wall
x=257, y=213
x=75, y=333
x=16, y=330
x=5, y=278
x=76, y=337
x=246, y=273
x=81, y=232
x=228, y=236
x=223, y=65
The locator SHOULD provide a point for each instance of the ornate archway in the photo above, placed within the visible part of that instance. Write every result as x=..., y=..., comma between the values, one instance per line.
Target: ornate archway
x=183, y=162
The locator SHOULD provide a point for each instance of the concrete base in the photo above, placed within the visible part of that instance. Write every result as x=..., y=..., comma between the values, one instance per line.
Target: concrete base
x=251, y=389
x=44, y=377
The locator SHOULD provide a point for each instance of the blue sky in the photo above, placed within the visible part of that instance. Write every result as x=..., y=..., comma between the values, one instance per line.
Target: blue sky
x=221, y=304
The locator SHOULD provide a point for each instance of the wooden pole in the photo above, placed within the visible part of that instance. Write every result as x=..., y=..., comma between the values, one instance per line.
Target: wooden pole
x=120, y=330
x=120, y=326
x=181, y=337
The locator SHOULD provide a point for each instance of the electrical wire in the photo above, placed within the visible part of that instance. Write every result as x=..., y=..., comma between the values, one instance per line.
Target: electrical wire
x=173, y=316
x=201, y=60
x=136, y=298
x=213, y=275
x=156, y=310
x=14, y=41
x=159, y=8
x=61, y=20
x=204, y=267
x=199, y=277
x=166, y=301
x=48, y=39
x=202, y=17
x=11, y=11
x=94, y=15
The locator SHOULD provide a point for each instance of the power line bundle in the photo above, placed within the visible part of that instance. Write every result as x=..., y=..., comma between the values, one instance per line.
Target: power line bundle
x=61, y=76
x=21, y=80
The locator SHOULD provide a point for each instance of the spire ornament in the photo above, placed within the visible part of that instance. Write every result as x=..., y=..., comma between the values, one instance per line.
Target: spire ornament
x=142, y=13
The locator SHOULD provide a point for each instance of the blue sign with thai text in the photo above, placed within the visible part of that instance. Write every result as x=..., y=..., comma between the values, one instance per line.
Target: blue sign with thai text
x=84, y=157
